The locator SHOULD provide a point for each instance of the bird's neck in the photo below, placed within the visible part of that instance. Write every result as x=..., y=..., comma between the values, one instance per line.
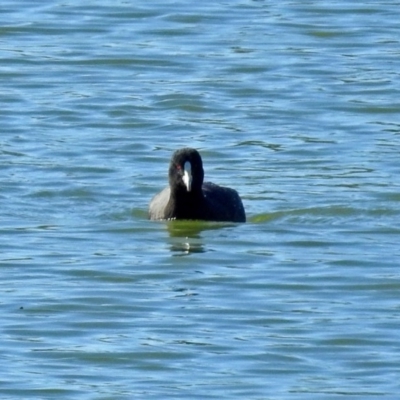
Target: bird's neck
x=183, y=204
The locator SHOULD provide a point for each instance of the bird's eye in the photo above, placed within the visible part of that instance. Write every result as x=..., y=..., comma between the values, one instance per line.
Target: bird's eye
x=178, y=167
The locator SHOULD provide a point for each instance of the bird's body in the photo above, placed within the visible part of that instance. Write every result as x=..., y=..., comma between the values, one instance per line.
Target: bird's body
x=187, y=197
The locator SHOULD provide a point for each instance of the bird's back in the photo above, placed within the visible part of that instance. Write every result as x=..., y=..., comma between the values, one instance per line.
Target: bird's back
x=224, y=203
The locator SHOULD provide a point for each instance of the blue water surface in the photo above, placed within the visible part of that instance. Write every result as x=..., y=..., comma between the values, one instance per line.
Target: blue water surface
x=295, y=105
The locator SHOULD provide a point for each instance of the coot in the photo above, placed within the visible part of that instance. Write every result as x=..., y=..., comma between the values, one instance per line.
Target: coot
x=187, y=197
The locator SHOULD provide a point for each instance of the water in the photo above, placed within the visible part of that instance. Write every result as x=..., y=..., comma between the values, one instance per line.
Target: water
x=294, y=105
